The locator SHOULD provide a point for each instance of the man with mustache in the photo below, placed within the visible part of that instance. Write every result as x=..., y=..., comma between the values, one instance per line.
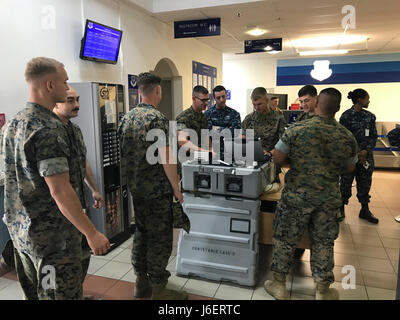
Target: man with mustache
x=66, y=111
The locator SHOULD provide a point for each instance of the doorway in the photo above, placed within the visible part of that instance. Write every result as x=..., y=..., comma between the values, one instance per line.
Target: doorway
x=171, y=84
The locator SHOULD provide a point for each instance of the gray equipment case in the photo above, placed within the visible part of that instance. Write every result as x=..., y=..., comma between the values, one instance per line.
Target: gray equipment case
x=227, y=180
x=223, y=241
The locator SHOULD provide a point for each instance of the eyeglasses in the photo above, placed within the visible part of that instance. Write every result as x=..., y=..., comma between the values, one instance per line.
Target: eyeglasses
x=203, y=100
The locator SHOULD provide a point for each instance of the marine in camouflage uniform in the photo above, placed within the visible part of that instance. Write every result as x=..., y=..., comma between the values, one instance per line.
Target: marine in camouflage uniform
x=151, y=192
x=269, y=126
x=318, y=150
x=79, y=150
x=35, y=144
x=194, y=119
x=362, y=124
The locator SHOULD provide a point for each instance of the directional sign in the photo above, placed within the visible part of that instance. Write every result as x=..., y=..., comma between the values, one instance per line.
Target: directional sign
x=263, y=45
x=197, y=28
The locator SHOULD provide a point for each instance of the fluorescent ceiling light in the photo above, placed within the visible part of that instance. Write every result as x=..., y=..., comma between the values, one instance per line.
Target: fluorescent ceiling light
x=273, y=52
x=322, y=52
x=268, y=48
x=329, y=41
x=255, y=32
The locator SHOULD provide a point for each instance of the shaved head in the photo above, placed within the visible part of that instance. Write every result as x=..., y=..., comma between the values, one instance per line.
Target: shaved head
x=329, y=101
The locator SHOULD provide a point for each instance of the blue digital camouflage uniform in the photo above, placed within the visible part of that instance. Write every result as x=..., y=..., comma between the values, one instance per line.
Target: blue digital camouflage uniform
x=362, y=125
x=151, y=192
x=223, y=118
x=318, y=150
x=226, y=118
x=34, y=145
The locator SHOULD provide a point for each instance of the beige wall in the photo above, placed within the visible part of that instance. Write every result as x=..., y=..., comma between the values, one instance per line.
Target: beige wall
x=54, y=28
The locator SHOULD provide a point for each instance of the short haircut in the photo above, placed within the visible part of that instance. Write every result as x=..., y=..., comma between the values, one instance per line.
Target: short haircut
x=147, y=82
x=307, y=90
x=357, y=94
x=41, y=66
x=259, y=93
x=218, y=89
x=200, y=89
x=332, y=104
x=274, y=98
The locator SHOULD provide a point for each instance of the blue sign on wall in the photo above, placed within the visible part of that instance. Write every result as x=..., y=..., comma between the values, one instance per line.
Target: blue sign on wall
x=133, y=91
x=204, y=75
x=263, y=45
x=197, y=28
x=346, y=69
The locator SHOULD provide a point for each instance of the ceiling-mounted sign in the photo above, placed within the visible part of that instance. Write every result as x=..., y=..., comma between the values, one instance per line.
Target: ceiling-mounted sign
x=197, y=28
x=263, y=45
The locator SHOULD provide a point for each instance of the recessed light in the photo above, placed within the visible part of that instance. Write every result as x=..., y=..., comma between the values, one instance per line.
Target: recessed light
x=318, y=42
x=322, y=52
x=255, y=32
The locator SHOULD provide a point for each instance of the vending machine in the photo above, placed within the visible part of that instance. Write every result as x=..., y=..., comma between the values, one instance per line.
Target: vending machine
x=102, y=106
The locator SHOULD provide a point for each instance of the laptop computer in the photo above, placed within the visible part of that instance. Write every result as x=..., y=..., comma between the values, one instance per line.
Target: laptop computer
x=239, y=147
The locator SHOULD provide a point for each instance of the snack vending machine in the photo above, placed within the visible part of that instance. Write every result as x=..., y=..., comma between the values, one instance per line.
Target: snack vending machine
x=101, y=108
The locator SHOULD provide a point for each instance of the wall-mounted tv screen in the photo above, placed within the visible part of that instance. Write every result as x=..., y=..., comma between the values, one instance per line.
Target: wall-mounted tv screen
x=100, y=43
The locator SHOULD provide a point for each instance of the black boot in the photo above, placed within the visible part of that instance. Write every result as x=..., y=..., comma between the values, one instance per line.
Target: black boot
x=367, y=215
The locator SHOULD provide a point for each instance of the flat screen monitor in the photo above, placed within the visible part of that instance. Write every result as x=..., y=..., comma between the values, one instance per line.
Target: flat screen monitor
x=291, y=115
x=100, y=43
x=283, y=98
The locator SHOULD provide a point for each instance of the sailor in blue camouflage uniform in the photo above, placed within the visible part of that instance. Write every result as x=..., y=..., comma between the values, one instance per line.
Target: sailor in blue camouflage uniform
x=66, y=111
x=152, y=184
x=42, y=209
x=362, y=124
x=221, y=117
x=317, y=150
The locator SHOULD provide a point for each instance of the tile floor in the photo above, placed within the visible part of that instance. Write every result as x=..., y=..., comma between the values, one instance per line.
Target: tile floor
x=373, y=251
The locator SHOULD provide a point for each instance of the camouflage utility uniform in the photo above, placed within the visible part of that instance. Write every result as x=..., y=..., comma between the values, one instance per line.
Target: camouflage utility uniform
x=151, y=192
x=190, y=119
x=78, y=148
x=362, y=125
x=304, y=116
x=269, y=127
x=35, y=144
x=318, y=150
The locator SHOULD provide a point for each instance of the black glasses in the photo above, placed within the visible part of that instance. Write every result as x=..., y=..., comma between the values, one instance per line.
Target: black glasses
x=203, y=100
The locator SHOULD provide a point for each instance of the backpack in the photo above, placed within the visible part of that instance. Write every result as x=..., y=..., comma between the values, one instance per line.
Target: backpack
x=394, y=137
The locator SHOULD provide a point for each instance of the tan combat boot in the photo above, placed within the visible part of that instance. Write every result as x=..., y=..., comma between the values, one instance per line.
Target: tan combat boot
x=162, y=293
x=142, y=285
x=323, y=292
x=277, y=287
